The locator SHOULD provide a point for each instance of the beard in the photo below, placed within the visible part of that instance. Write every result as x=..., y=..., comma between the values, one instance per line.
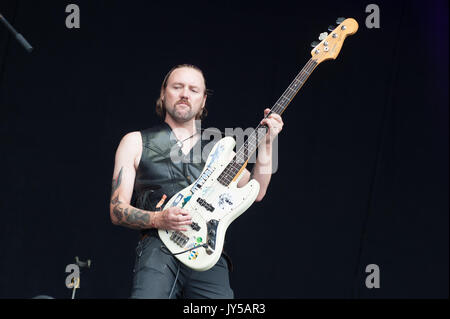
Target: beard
x=181, y=113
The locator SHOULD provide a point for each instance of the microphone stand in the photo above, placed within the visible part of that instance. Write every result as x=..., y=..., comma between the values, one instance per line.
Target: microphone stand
x=76, y=282
x=16, y=34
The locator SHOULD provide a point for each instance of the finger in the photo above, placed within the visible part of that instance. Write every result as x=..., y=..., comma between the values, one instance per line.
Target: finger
x=267, y=122
x=183, y=212
x=180, y=215
x=275, y=117
x=276, y=121
x=181, y=219
x=178, y=225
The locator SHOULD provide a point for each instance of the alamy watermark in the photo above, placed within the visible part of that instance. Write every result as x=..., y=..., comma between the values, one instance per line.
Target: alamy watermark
x=247, y=147
x=73, y=279
x=373, y=279
x=373, y=19
x=73, y=19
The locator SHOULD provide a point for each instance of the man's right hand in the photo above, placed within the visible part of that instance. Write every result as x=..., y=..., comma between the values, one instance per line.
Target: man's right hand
x=173, y=218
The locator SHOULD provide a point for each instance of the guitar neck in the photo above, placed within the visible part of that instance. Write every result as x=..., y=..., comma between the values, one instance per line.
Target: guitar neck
x=235, y=167
x=293, y=88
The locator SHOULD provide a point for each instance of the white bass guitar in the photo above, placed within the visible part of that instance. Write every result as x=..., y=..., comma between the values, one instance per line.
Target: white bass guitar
x=214, y=201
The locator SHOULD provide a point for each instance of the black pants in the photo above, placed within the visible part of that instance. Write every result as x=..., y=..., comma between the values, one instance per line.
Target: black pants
x=158, y=276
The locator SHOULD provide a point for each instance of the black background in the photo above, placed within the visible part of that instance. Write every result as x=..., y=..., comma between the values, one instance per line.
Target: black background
x=363, y=157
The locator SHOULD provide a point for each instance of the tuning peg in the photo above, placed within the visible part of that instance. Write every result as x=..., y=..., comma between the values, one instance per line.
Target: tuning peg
x=323, y=36
x=331, y=28
x=315, y=43
x=340, y=20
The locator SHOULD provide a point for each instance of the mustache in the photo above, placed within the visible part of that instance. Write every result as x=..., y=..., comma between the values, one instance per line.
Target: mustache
x=183, y=102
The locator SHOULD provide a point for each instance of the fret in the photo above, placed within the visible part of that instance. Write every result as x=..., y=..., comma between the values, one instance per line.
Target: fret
x=251, y=144
x=279, y=106
x=303, y=79
x=300, y=83
x=288, y=100
x=283, y=97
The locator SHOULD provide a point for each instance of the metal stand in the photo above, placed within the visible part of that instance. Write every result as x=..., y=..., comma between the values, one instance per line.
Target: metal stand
x=80, y=264
x=16, y=34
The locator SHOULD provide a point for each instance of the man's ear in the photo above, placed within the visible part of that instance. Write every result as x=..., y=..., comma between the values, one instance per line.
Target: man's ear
x=204, y=101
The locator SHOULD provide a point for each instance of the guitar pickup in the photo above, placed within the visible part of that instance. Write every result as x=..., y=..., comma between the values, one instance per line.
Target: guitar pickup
x=195, y=226
x=205, y=204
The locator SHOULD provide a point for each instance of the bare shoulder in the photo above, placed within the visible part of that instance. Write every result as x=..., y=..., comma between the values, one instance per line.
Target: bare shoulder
x=130, y=145
x=131, y=140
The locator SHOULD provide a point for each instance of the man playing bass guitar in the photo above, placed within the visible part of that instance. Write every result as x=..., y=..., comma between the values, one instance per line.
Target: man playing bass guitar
x=144, y=173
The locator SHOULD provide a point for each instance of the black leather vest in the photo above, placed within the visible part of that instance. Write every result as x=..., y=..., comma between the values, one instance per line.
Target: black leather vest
x=157, y=173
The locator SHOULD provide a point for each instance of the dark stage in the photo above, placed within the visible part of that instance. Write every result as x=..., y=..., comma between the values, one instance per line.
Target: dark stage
x=362, y=172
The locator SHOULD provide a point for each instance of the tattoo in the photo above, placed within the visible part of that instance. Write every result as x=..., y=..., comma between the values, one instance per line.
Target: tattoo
x=117, y=211
x=116, y=200
x=137, y=217
x=133, y=218
x=116, y=182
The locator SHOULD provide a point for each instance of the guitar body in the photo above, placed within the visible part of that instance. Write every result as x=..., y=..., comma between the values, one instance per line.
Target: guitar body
x=212, y=206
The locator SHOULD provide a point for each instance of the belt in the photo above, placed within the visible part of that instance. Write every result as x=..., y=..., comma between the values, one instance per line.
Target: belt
x=149, y=232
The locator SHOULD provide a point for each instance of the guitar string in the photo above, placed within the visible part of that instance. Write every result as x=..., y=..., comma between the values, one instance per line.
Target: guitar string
x=299, y=81
x=287, y=95
x=254, y=139
x=231, y=171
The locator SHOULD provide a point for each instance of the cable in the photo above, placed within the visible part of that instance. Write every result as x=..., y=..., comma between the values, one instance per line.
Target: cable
x=163, y=248
x=176, y=277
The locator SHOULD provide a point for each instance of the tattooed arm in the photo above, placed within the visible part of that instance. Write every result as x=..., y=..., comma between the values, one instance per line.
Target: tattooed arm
x=121, y=212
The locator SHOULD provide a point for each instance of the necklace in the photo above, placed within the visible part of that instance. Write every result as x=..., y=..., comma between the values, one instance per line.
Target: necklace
x=180, y=143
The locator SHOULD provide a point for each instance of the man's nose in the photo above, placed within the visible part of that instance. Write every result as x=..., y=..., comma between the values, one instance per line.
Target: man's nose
x=184, y=94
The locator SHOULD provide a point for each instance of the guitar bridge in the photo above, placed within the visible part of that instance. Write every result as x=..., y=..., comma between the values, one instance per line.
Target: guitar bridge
x=179, y=238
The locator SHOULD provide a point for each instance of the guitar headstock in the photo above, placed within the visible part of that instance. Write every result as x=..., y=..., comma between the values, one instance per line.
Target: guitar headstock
x=331, y=44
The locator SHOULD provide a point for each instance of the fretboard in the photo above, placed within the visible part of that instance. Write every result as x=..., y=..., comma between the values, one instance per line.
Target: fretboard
x=250, y=145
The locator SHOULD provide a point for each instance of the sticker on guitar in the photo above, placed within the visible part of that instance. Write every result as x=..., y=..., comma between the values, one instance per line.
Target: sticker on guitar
x=194, y=253
x=215, y=155
x=225, y=199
